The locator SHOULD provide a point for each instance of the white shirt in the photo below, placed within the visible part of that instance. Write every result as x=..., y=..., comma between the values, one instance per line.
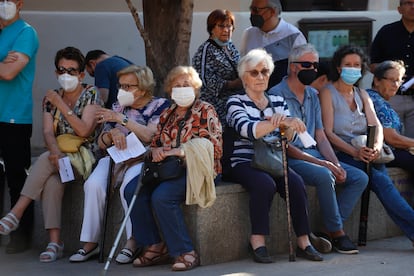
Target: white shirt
x=277, y=42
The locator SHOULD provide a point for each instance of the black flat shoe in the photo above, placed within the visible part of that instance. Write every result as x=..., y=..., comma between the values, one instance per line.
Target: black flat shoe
x=260, y=255
x=17, y=245
x=309, y=253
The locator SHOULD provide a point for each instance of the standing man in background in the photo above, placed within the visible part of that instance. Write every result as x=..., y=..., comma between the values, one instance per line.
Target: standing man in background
x=271, y=32
x=401, y=33
x=18, y=48
x=104, y=69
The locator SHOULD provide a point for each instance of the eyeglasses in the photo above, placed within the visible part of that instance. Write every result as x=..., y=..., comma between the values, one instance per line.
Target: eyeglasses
x=410, y=4
x=71, y=71
x=257, y=9
x=307, y=64
x=222, y=26
x=254, y=73
x=396, y=82
x=126, y=87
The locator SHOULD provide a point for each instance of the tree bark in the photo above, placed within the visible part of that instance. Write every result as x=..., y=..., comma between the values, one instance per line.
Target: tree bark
x=166, y=34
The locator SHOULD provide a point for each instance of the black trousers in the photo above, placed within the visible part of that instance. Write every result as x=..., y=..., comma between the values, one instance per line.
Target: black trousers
x=16, y=153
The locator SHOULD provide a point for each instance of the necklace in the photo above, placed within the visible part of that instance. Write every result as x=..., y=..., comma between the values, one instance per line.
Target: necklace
x=261, y=104
x=68, y=101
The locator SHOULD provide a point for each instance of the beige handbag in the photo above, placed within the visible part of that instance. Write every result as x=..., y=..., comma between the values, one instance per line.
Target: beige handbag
x=386, y=154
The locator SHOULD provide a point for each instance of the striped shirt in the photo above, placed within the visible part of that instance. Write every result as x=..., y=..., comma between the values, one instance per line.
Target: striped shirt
x=243, y=116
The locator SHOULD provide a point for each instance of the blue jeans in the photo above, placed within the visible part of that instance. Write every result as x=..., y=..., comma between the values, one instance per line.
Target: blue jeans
x=335, y=208
x=165, y=200
x=381, y=184
x=403, y=159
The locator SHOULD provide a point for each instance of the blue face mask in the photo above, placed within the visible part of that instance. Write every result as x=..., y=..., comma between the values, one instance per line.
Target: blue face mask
x=221, y=43
x=350, y=75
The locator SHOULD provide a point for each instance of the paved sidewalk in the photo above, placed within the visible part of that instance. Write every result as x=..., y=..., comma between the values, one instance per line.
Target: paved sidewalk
x=393, y=256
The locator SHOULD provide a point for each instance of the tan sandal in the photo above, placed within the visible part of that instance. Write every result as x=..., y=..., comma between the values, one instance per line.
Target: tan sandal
x=186, y=261
x=160, y=256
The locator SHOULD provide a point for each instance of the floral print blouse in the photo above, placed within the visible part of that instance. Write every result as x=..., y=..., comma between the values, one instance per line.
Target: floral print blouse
x=202, y=123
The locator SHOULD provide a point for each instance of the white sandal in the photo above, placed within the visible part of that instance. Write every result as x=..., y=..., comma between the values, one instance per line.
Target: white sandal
x=9, y=223
x=56, y=252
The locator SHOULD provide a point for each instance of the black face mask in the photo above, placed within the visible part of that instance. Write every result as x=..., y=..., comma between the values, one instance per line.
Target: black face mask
x=306, y=77
x=256, y=20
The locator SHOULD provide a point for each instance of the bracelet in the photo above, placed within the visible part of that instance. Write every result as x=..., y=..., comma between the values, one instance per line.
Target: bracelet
x=103, y=140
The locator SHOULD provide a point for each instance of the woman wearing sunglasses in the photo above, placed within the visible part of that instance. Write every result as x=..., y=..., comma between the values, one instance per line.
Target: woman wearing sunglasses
x=68, y=110
x=251, y=116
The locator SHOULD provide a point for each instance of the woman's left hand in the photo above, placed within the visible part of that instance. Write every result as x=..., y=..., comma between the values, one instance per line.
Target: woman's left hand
x=159, y=154
x=295, y=123
x=54, y=158
x=118, y=138
x=276, y=119
x=104, y=115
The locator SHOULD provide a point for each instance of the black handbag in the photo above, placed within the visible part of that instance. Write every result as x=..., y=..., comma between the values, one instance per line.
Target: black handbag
x=268, y=155
x=156, y=172
x=171, y=167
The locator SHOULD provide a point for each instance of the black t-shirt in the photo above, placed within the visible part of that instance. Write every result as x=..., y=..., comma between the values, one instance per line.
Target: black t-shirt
x=394, y=42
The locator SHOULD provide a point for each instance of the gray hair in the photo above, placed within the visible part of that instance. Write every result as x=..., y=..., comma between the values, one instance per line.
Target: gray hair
x=299, y=51
x=276, y=4
x=254, y=57
x=382, y=68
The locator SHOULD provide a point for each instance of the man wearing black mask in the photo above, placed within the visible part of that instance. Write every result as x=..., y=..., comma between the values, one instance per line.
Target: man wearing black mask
x=318, y=165
x=271, y=32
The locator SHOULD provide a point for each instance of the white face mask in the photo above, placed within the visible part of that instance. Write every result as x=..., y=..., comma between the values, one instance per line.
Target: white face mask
x=68, y=82
x=125, y=98
x=7, y=10
x=183, y=96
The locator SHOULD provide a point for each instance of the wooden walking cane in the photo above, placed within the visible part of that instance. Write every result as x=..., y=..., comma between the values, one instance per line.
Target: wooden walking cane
x=105, y=215
x=287, y=200
x=363, y=218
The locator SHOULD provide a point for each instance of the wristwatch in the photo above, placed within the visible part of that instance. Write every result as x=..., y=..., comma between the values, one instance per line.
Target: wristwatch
x=124, y=121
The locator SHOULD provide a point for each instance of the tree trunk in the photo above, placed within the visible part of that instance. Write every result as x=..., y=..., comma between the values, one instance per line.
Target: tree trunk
x=168, y=25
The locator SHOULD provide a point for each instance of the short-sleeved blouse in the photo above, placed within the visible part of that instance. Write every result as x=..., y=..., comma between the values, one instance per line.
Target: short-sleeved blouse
x=347, y=123
x=150, y=113
x=89, y=96
x=386, y=114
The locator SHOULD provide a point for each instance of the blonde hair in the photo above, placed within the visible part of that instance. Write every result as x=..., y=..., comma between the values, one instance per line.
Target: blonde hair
x=144, y=76
x=179, y=71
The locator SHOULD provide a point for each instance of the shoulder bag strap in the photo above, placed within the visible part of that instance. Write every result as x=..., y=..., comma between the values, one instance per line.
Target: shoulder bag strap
x=270, y=102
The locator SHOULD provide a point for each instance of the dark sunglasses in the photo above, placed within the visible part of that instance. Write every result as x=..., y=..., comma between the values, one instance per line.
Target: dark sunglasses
x=307, y=64
x=71, y=71
x=254, y=73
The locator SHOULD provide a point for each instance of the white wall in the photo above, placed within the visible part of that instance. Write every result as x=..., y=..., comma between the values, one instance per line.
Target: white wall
x=116, y=33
